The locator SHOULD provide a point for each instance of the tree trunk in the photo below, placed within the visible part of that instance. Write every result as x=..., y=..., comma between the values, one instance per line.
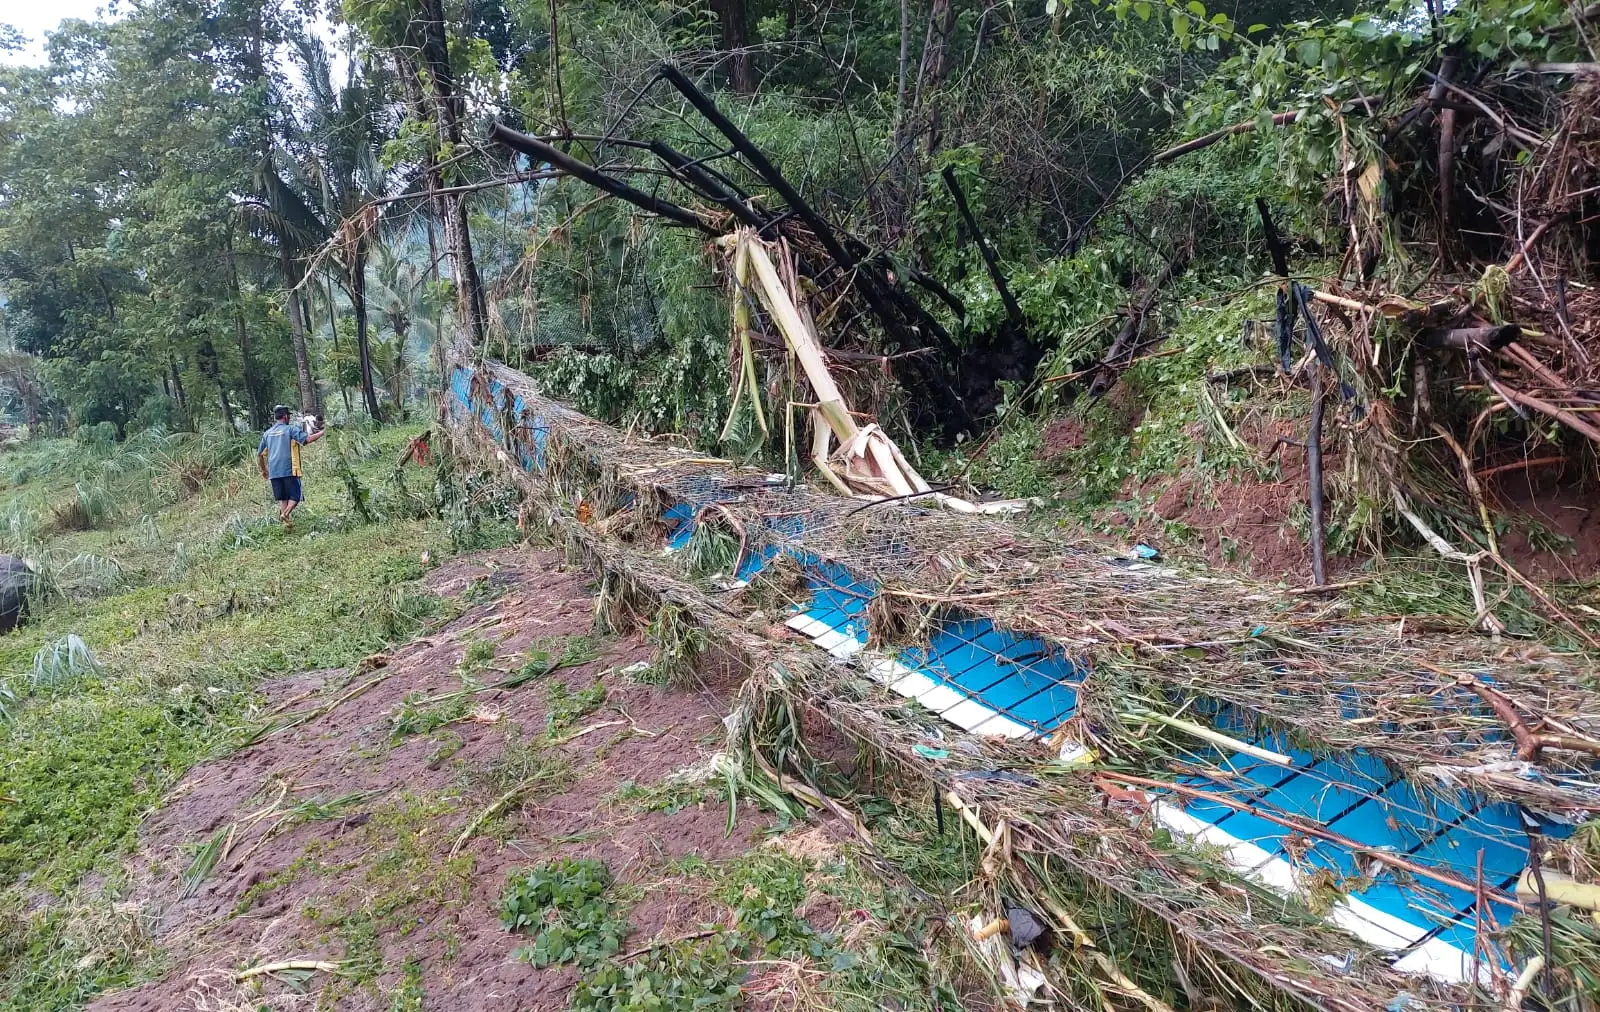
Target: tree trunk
x=297, y=332
x=734, y=19
x=333, y=333
x=438, y=313
x=252, y=385
x=358, y=303
x=177, y=385
x=211, y=369
x=935, y=65
x=30, y=403
x=905, y=52
x=469, y=289
x=472, y=308
x=397, y=380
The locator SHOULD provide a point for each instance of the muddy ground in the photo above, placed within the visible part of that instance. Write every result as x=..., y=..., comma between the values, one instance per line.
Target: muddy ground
x=333, y=838
x=1258, y=525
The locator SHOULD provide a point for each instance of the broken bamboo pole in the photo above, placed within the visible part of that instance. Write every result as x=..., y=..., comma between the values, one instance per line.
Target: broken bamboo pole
x=533, y=147
x=1319, y=562
x=1013, y=310
x=830, y=402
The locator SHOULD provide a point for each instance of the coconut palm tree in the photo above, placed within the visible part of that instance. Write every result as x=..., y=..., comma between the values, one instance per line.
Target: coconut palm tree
x=403, y=299
x=280, y=213
x=317, y=192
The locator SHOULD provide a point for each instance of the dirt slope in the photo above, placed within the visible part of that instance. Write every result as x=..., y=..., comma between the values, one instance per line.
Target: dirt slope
x=332, y=839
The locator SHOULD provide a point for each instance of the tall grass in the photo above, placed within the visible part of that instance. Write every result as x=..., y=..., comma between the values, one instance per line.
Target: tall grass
x=61, y=661
x=151, y=469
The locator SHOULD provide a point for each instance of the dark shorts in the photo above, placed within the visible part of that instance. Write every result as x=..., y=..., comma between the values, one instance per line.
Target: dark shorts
x=286, y=489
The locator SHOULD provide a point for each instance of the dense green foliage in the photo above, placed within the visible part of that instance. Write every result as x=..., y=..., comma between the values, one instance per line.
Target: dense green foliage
x=166, y=177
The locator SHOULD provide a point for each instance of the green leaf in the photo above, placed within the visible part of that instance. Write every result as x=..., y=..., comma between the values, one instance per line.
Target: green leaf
x=1255, y=28
x=1142, y=8
x=1197, y=8
x=1309, y=51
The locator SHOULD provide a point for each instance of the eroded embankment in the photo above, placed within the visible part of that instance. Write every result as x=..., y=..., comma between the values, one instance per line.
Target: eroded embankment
x=339, y=839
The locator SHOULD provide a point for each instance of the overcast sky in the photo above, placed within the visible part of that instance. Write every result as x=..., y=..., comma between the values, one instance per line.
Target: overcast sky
x=35, y=17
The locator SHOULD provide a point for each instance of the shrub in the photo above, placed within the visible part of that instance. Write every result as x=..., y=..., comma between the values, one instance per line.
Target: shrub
x=563, y=903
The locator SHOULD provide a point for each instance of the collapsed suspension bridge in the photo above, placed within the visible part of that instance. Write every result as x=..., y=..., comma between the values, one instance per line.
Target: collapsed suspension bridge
x=1362, y=815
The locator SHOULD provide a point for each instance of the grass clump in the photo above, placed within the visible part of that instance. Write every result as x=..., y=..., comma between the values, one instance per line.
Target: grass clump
x=568, y=707
x=479, y=653
x=417, y=716
x=712, y=551
x=679, y=643
x=63, y=660
x=669, y=796
x=524, y=769
x=548, y=655
x=411, y=993
x=564, y=905
x=683, y=977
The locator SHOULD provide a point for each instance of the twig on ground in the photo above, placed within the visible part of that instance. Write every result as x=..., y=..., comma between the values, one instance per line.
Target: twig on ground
x=1520, y=465
x=321, y=965
x=488, y=813
x=692, y=936
x=1530, y=743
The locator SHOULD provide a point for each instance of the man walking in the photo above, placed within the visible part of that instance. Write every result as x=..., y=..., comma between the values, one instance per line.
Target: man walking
x=279, y=459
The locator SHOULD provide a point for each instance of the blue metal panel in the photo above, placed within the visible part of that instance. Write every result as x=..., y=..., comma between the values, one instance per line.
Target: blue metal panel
x=1463, y=932
x=755, y=560
x=1033, y=698
x=680, y=517
x=1457, y=851
x=1410, y=818
x=1316, y=793
x=837, y=597
x=1241, y=825
x=956, y=655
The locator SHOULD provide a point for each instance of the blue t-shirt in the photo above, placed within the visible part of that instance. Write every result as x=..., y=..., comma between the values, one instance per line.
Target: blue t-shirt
x=281, y=446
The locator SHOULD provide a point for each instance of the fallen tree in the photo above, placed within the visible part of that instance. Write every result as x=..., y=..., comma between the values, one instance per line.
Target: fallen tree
x=953, y=381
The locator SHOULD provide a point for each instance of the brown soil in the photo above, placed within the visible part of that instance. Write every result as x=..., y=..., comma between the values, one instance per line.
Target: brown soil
x=290, y=889
x=1570, y=518
x=1242, y=523
x=1246, y=524
x=1059, y=436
